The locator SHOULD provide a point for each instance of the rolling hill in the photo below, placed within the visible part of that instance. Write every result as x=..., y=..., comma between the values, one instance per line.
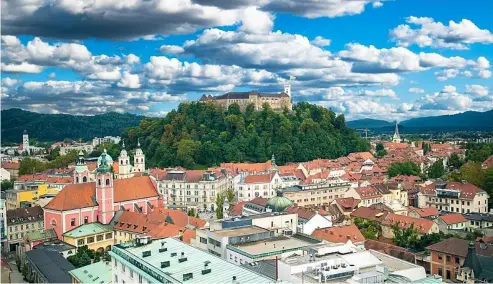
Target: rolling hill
x=56, y=127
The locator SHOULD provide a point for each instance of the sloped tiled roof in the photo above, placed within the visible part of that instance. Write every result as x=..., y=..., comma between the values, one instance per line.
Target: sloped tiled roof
x=453, y=218
x=262, y=178
x=370, y=214
x=395, y=251
x=259, y=201
x=348, y=204
x=238, y=208
x=368, y=192
x=11, y=165
x=451, y=246
x=425, y=212
x=74, y=196
x=339, y=234
x=24, y=215
x=422, y=225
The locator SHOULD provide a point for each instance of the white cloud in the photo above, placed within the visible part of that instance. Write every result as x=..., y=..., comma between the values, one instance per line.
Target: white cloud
x=171, y=49
x=416, y=90
x=377, y=4
x=320, y=41
x=485, y=74
x=23, y=67
x=130, y=81
x=132, y=59
x=435, y=34
x=9, y=82
x=317, y=8
x=477, y=90
x=449, y=89
x=256, y=22
x=446, y=74
x=109, y=75
x=52, y=75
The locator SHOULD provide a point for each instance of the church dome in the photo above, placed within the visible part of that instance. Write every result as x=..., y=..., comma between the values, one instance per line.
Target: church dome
x=278, y=203
x=104, y=163
x=108, y=158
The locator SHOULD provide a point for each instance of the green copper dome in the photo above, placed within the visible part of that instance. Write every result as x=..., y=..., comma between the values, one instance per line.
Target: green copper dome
x=279, y=203
x=104, y=165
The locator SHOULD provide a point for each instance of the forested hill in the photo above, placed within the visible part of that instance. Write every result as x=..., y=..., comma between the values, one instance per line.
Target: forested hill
x=56, y=127
x=465, y=120
x=200, y=134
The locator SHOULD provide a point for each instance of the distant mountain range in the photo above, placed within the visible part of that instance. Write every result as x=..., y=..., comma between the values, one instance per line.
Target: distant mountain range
x=469, y=120
x=56, y=127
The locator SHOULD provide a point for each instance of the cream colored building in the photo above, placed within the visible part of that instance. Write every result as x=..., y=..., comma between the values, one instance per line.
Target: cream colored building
x=455, y=197
x=316, y=194
x=277, y=102
x=20, y=221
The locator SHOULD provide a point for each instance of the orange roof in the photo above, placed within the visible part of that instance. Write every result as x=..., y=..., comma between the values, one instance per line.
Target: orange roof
x=488, y=163
x=259, y=201
x=422, y=225
x=339, y=234
x=263, y=178
x=440, y=146
x=247, y=167
x=238, y=208
x=10, y=165
x=368, y=192
x=26, y=178
x=426, y=212
x=74, y=196
x=180, y=218
x=348, y=204
x=453, y=218
x=305, y=213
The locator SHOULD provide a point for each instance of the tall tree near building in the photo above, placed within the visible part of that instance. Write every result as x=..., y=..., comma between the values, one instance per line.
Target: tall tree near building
x=436, y=170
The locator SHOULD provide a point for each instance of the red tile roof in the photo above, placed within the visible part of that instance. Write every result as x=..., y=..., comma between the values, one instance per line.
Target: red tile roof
x=305, y=213
x=425, y=212
x=368, y=192
x=259, y=201
x=453, y=218
x=488, y=163
x=179, y=217
x=238, y=208
x=422, y=225
x=348, y=204
x=370, y=214
x=10, y=165
x=339, y=234
x=392, y=250
x=262, y=178
x=451, y=246
x=246, y=167
x=74, y=196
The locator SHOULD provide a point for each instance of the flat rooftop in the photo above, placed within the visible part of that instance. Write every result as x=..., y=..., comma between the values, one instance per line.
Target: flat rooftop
x=250, y=230
x=221, y=271
x=271, y=245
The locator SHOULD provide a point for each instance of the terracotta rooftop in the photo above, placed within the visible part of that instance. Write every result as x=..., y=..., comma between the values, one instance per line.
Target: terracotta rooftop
x=422, y=225
x=10, y=165
x=453, y=218
x=348, y=204
x=451, y=246
x=488, y=163
x=392, y=250
x=262, y=178
x=305, y=213
x=368, y=192
x=370, y=214
x=339, y=234
x=259, y=201
x=238, y=208
x=75, y=196
x=246, y=167
x=426, y=212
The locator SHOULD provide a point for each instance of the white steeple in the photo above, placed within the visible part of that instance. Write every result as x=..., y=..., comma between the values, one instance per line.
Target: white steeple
x=25, y=143
x=396, y=138
x=139, y=159
x=124, y=167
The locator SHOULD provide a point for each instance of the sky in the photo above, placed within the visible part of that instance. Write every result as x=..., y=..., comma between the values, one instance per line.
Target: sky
x=390, y=60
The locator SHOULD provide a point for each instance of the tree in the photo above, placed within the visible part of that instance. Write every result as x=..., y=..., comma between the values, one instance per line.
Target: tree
x=219, y=206
x=379, y=147
x=487, y=184
x=405, y=168
x=370, y=229
x=436, y=170
x=191, y=212
x=84, y=260
x=454, y=161
x=7, y=184
x=381, y=153
x=406, y=238
x=472, y=173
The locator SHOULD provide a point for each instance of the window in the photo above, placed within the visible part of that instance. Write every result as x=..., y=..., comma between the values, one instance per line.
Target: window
x=109, y=235
x=457, y=260
x=86, y=220
x=72, y=222
x=440, y=257
x=80, y=242
x=116, y=278
x=140, y=278
x=22, y=227
x=107, y=181
x=447, y=258
x=99, y=238
x=440, y=271
x=90, y=240
x=116, y=263
x=123, y=268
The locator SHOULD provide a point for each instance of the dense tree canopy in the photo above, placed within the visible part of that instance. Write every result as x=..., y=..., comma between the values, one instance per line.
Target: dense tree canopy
x=405, y=168
x=436, y=170
x=478, y=152
x=201, y=134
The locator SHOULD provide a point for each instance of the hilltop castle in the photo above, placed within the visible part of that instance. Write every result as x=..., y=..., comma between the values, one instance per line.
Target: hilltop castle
x=276, y=101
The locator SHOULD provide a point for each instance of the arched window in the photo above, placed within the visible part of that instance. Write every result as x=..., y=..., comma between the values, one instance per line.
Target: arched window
x=107, y=181
x=53, y=223
x=84, y=179
x=99, y=181
x=76, y=179
x=142, y=160
x=126, y=162
x=121, y=162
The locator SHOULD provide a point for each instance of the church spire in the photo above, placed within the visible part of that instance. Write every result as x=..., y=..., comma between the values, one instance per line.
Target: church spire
x=396, y=138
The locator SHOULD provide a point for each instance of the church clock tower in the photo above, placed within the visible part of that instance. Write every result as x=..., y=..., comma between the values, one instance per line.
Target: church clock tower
x=104, y=190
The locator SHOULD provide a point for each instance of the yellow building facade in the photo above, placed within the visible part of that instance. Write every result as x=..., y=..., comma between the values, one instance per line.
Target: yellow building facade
x=96, y=236
x=14, y=197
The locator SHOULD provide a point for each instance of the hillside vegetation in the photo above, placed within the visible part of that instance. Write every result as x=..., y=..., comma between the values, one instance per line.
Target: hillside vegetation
x=200, y=134
x=56, y=127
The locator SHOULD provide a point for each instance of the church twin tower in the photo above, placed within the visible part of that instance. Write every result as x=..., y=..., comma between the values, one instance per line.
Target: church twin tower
x=121, y=171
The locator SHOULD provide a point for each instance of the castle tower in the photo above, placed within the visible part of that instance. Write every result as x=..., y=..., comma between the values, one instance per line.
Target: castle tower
x=139, y=160
x=81, y=172
x=25, y=143
x=287, y=90
x=104, y=190
x=124, y=167
x=396, y=138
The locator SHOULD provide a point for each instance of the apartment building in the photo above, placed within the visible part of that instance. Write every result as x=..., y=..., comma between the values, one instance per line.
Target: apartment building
x=458, y=197
x=257, y=185
x=317, y=194
x=20, y=221
x=447, y=257
x=368, y=195
x=16, y=198
x=195, y=189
